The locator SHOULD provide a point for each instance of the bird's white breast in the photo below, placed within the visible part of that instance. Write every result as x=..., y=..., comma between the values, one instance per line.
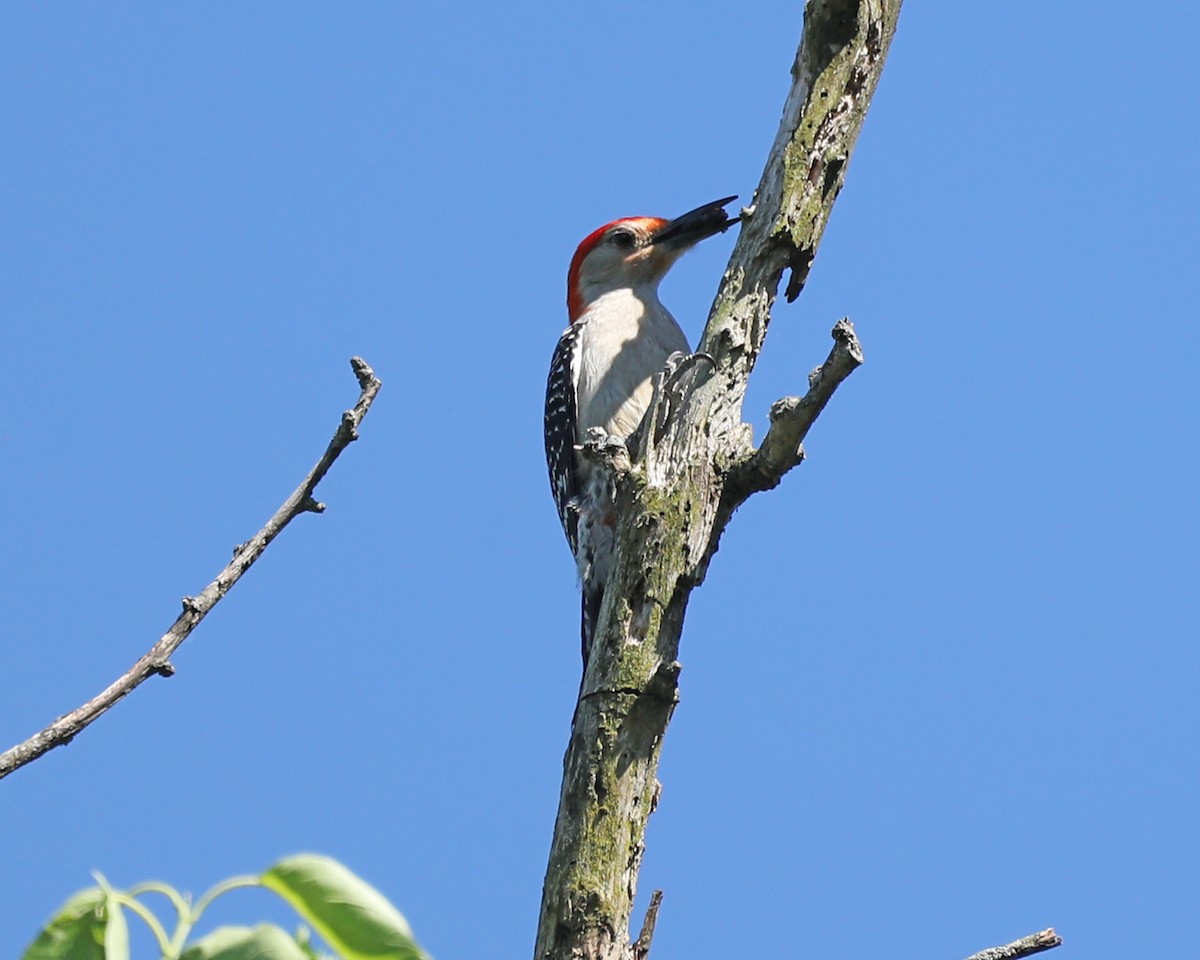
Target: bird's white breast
x=625, y=339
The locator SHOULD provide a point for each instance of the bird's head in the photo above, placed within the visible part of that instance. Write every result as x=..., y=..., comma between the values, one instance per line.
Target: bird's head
x=637, y=252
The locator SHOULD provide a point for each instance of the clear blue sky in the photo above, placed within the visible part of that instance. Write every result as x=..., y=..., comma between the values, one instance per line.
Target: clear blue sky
x=941, y=687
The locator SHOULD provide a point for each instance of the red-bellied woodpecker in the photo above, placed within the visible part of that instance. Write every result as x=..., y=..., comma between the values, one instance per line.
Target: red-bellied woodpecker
x=602, y=372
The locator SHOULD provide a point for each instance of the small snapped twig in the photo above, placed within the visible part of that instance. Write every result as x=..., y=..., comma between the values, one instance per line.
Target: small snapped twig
x=1025, y=947
x=157, y=659
x=641, y=946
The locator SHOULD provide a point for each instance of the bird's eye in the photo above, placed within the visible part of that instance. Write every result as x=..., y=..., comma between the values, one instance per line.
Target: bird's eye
x=623, y=240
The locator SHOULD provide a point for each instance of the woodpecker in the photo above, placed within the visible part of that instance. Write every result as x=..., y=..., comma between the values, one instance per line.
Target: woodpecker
x=601, y=375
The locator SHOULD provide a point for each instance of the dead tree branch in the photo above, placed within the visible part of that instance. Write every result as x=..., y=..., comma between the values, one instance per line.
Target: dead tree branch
x=783, y=446
x=157, y=659
x=1025, y=947
x=697, y=465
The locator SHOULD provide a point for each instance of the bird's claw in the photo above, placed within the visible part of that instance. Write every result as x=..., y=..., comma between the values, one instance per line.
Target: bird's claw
x=670, y=389
x=680, y=363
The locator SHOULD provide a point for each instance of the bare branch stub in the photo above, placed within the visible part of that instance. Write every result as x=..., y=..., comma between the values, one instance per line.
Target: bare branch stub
x=1025, y=947
x=156, y=661
x=641, y=946
x=791, y=417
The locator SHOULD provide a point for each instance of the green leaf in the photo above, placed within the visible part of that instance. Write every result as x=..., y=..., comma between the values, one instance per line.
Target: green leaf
x=354, y=918
x=304, y=942
x=76, y=932
x=264, y=942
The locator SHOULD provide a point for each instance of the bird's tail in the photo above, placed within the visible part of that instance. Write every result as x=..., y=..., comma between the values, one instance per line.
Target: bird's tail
x=589, y=615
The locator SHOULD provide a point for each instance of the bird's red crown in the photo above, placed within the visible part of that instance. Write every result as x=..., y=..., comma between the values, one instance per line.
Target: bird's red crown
x=575, y=302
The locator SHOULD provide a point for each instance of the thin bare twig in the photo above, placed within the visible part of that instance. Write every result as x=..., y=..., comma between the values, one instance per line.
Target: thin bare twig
x=1025, y=947
x=157, y=659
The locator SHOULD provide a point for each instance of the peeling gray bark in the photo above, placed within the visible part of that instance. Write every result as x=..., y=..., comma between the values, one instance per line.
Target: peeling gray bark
x=695, y=465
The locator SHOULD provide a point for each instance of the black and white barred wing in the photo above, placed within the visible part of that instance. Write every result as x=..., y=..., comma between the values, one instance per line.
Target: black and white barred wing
x=561, y=458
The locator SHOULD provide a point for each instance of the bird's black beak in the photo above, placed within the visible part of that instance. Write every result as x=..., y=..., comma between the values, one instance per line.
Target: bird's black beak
x=696, y=225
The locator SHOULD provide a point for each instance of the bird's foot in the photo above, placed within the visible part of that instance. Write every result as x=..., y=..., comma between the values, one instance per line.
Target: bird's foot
x=679, y=364
x=679, y=377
